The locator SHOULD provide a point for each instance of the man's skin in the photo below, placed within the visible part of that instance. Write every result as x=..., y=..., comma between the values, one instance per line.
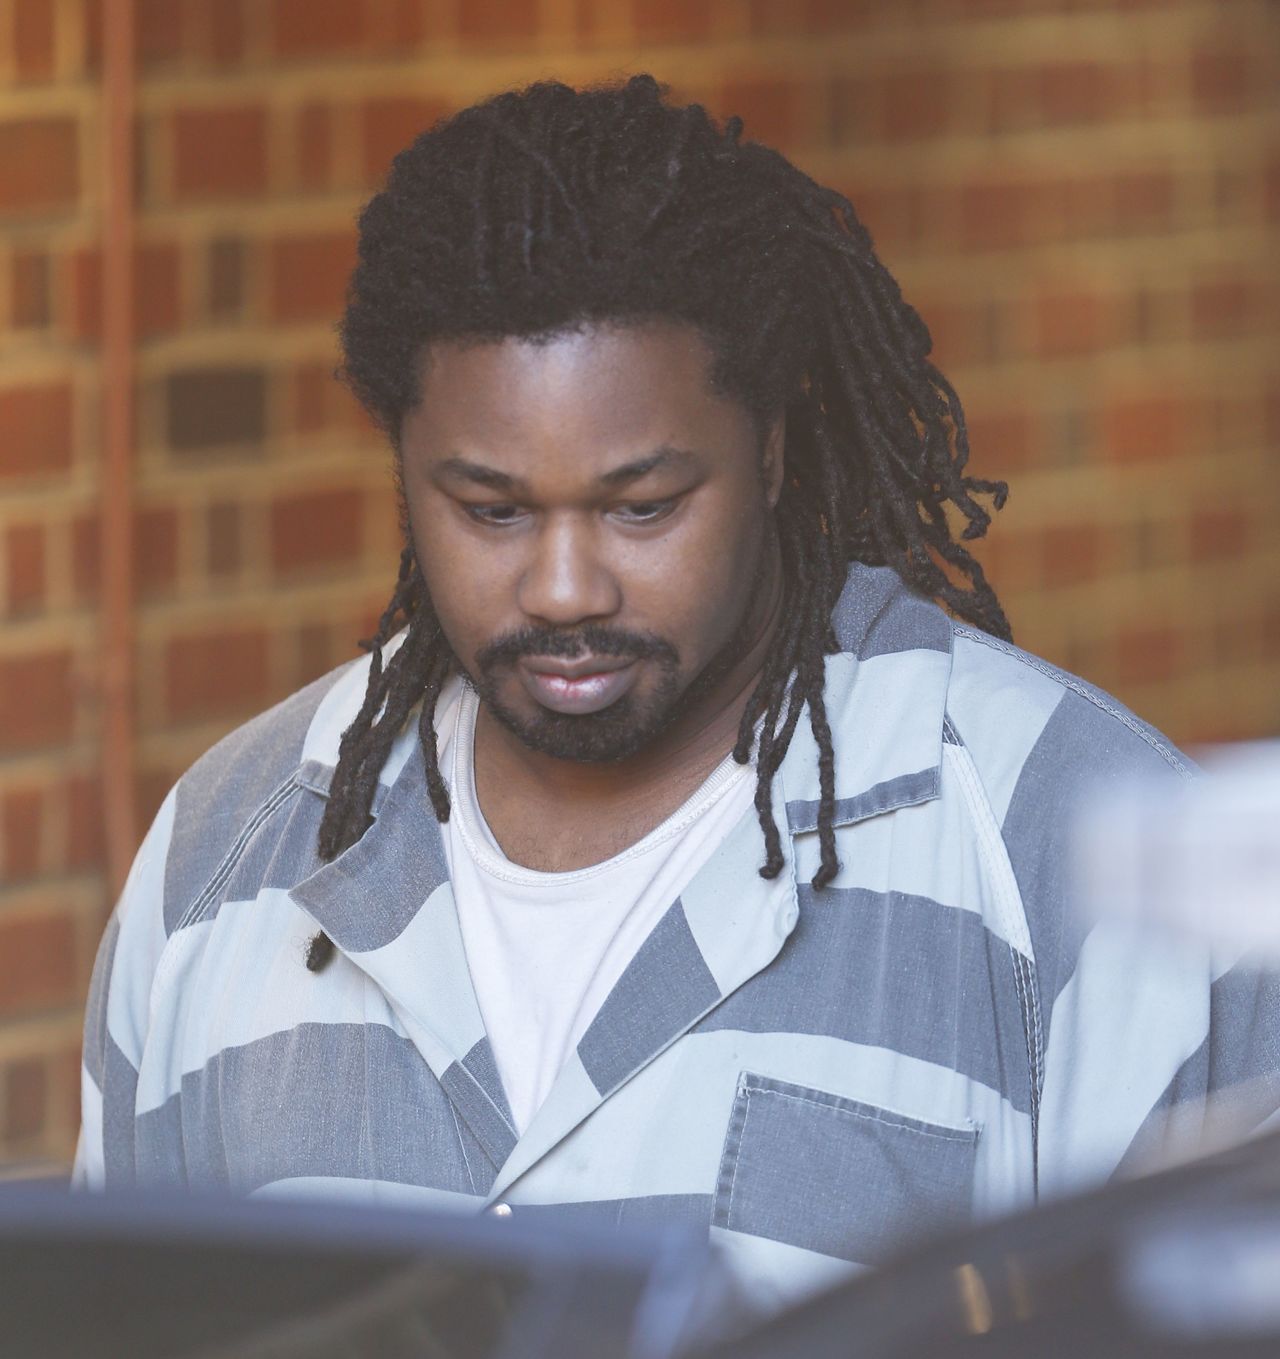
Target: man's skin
x=504, y=467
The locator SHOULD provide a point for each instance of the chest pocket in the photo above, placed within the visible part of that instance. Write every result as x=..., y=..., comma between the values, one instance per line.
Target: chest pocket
x=838, y=1176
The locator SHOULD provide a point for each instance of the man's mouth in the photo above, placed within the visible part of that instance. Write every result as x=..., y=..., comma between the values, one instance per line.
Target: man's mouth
x=586, y=684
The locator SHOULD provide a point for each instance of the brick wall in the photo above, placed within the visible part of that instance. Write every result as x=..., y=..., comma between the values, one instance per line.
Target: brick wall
x=1082, y=198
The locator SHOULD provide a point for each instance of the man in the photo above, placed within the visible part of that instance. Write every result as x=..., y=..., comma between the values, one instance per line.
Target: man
x=673, y=855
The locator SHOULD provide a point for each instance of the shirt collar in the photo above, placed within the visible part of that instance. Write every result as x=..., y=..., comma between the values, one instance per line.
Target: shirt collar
x=885, y=696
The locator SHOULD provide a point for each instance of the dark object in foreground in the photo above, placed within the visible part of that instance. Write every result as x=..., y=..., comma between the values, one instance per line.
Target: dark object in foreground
x=1180, y=1265
x=147, y=1277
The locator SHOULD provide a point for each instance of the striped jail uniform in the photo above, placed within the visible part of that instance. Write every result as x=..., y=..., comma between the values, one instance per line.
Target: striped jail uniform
x=814, y=1078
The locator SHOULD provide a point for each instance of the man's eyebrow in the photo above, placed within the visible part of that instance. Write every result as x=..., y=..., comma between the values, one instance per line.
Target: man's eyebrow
x=464, y=469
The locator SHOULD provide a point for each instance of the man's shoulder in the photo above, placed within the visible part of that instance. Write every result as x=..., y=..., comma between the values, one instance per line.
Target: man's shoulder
x=1015, y=710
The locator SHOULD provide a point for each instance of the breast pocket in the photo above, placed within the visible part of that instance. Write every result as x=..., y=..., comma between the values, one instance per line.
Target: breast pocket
x=838, y=1176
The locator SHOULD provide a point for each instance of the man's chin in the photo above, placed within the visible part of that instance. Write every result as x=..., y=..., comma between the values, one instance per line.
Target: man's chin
x=613, y=734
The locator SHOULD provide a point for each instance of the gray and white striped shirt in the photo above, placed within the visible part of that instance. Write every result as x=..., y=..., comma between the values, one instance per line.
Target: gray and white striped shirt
x=812, y=1078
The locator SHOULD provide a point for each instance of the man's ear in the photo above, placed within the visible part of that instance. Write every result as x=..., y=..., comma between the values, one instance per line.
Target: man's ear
x=772, y=462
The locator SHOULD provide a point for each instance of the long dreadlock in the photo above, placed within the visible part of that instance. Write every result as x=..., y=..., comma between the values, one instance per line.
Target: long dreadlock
x=547, y=209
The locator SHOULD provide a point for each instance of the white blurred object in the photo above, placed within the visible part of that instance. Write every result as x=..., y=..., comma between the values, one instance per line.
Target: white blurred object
x=1199, y=856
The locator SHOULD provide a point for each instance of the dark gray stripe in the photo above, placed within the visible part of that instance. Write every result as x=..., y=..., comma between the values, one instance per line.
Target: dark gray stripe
x=877, y=615
x=904, y=791
x=666, y=986
x=366, y=897
x=95, y=1014
x=692, y=1211
x=481, y=1064
x=487, y=1122
x=837, y=1176
x=1229, y=1085
x=348, y=1100
x=949, y=733
x=900, y=972
x=119, y=1101
x=1081, y=746
x=226, y=786
x=282, y=854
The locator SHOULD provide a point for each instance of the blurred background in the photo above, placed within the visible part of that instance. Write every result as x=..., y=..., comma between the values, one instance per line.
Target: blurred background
x=1082, y=197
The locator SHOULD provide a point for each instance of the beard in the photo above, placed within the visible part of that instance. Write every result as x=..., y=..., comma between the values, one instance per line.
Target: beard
x=629, y=724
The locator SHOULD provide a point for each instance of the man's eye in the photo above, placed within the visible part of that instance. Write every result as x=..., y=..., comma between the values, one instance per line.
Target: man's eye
x=493, y=514
x=645, y=511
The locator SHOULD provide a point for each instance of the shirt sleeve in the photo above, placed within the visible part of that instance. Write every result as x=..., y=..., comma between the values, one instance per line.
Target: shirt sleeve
x=116, y=1016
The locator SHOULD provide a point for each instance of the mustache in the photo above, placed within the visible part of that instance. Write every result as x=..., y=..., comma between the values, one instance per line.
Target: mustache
x=593, y=638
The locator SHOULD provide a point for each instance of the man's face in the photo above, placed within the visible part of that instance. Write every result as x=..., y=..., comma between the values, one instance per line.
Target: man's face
x=591, y=521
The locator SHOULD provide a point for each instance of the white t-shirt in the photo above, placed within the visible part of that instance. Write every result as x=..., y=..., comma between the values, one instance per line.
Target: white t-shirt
x=545, y=949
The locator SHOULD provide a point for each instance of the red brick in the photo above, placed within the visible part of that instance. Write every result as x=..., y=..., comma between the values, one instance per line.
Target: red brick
x=1077, y=92
x=1141, y=428
x=159, y=32
x=86, y=555
x=318, y=528
x=1222, y=80
x=309, y=275
x=499, y=21
x=219, y=152
x=1070, y=322
x=29, y=304
x=1228, y=306
x=1143, y=201
x=302, y=28
x=389, y=125
x=1147, y=655
x=312, y=385
x=226, y=30
x=156, y=287
x=313, y=146
x=83, y=811
x=1218, y=534
x=669, y=20
x=25, y=1099
x=22, y=819
x=41, y=165
x=1002, y=440
x=155, y=548
x=37, y=702
x=1070, y=553
x=768, y=108
x=37, y=962
x=33, y=39
x=915, y=104
x=219, y=673
x=224, y=538
x=996, y=214
x=24, y=567
x=35, y=430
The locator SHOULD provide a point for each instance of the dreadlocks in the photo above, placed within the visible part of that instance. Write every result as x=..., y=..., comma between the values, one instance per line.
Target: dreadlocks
x=548, y=209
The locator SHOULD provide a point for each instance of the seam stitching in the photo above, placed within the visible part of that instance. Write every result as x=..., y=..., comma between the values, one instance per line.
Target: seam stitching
x=1068, y=682
x=944, y=1135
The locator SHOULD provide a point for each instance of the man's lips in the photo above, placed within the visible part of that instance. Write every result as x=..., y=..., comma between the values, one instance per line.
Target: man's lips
x=586, y=684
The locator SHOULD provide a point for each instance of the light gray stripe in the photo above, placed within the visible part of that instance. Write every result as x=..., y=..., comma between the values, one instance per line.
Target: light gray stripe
x=353, y=1101
x=788, y=1145
x=226, y=786
x=692, y=1211
x=877, y=614
x=903, y=973
x=119, y=1100
x=666, y=986
x=95, y=1015
x=488, y=1124
x=1080, y=746
x=1229, y=1085
x=904, y=791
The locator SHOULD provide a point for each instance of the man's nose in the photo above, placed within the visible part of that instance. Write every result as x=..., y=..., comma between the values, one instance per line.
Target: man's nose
x=565, y=581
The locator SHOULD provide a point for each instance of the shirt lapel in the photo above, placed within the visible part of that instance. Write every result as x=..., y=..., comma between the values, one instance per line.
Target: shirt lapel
x=726, y=926
x=388, y=905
